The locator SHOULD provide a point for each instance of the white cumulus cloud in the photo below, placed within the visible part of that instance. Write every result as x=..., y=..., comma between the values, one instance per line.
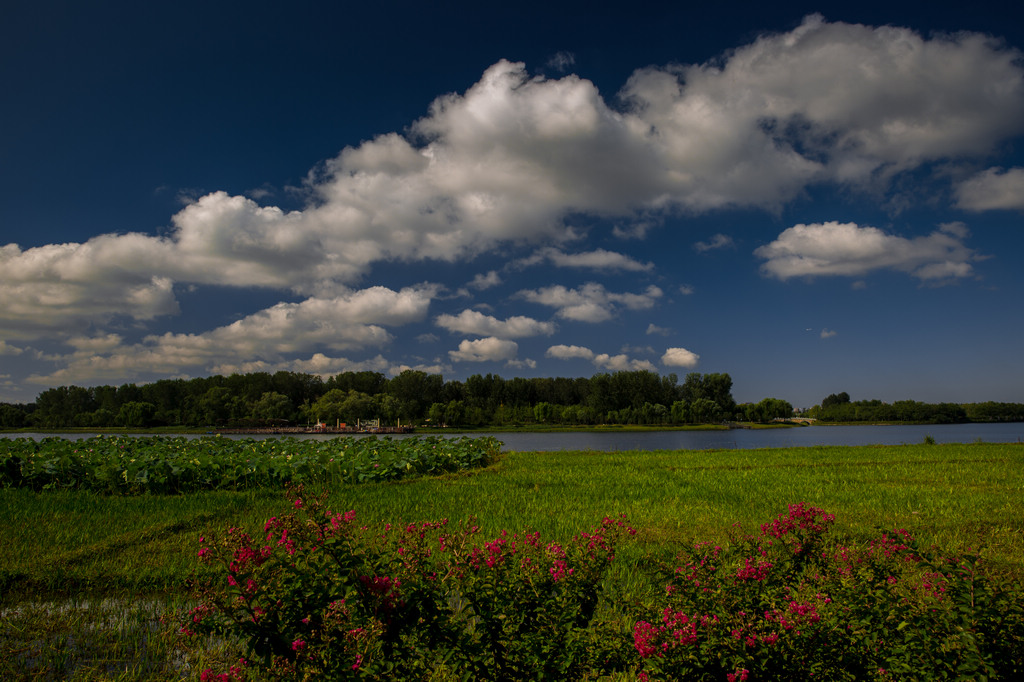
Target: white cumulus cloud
x=599, y=259
x=614, y=363
x=622, y=363
x=679, y=357
x=474, y=322
x=270, y=338
x=485, y=281
x=851, y=250
x=8, y=349
x=564, y=352
x=591, y=302
x=489, y=349
x=992, y=189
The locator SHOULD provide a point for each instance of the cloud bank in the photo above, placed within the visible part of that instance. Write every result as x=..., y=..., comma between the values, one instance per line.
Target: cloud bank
x=513, y=159
x=515, y=154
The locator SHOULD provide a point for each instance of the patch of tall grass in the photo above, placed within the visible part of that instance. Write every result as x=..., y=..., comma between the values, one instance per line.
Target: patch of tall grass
x=957, y=496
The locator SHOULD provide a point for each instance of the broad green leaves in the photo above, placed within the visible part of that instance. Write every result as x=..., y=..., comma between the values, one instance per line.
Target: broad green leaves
x=174, y=465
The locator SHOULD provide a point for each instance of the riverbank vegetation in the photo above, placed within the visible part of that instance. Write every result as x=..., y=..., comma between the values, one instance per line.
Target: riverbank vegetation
x=635, y=398
x=839, y=408
x=87, y=576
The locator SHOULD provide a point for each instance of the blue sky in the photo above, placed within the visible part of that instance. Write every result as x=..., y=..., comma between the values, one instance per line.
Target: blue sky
x=812, y=199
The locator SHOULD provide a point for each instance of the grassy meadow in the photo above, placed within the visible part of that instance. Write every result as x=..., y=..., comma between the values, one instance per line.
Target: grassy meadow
x=65, y=552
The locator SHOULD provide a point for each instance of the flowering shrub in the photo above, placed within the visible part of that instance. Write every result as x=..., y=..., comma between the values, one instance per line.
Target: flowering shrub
x=319, y=596
x=529, y=603
x=795, y=601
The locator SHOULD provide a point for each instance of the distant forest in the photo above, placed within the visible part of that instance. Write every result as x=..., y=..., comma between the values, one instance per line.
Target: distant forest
x=261, y=399
x=839, y=408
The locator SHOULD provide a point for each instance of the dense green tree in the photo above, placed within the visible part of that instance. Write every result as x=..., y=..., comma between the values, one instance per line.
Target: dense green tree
x=767, y=410
x=359, y=405
x=368, y=382
x=300, y=388
x=415, y=392
x=272, y=406
x=484, y=393
x=714, y=387
x=127, y=393
x=455, y=413
x=214, y=407
x=836, y=399
x=994, y=412
x=328, y=408
x=680, y=412
x=136, y=414
x=58, y=407
x=169, y=396
x=12, y=416
x=389, y=408
x=705, y=411
x=543, y=412
x=654, y=413
x=435, y=414
x=249, y=387
x=98, y=419
x=105, y=398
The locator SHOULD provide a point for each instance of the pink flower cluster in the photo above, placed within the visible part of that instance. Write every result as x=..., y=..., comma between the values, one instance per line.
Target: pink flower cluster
x=799, y=517
x=754, y=570
x=677, y=629
x=795, y=615
x=283, y=540
x=385, y=589
x=339, y=518
x=890, y=546
x=235, y=674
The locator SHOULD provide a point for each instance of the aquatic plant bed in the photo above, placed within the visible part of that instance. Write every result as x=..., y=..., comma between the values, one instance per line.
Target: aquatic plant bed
x=167, y=465
x=944, y=522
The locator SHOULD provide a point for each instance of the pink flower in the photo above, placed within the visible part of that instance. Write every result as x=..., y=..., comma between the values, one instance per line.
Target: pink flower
x=644, y=635
x=298, y=645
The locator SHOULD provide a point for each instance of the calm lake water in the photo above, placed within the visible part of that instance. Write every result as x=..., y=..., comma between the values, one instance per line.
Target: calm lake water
x=714, y=440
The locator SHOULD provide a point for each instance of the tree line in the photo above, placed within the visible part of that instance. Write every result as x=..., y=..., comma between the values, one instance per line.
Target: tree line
x=262, y=399
x=412, y=397
x=838, y=407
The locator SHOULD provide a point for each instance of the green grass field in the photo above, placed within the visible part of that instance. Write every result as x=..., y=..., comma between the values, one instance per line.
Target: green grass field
x=60, y=546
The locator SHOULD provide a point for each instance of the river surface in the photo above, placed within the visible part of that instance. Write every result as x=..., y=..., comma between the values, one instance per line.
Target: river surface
x=708, y=440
